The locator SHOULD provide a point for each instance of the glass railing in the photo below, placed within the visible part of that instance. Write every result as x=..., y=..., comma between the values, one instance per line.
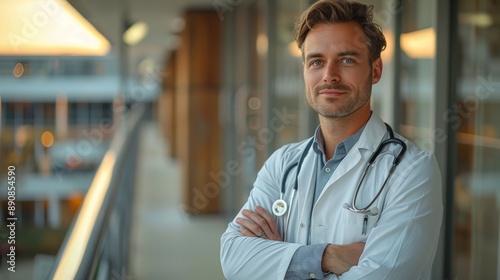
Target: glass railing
x=96, y=244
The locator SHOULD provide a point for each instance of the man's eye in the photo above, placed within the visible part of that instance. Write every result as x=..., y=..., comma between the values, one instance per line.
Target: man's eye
x=348, y=60
x=315, y=63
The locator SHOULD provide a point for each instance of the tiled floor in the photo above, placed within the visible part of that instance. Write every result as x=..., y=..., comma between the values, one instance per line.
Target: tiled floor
x=167, y=243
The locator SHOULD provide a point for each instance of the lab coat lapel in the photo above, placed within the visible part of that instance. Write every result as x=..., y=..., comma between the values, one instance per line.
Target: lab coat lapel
x=370, y=138
x=305, y=192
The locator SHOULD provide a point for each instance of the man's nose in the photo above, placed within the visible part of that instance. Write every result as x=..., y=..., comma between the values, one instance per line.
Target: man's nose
x=331, y=74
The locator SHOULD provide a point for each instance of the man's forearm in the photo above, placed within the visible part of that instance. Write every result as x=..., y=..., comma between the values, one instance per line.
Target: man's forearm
x=340, y=258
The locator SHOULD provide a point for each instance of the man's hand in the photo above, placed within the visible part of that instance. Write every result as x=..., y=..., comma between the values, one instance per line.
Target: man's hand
x=259, y=224
x=340, y=258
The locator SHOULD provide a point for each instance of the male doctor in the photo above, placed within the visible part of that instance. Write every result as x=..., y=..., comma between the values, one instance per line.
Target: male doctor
x=319, y=237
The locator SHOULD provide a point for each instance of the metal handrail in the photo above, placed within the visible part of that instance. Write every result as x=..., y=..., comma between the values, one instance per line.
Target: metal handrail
x=79, y=254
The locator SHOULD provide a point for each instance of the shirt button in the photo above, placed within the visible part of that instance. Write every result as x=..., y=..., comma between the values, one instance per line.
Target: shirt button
x=302, y=225
x=327, y=170
x=312, y=275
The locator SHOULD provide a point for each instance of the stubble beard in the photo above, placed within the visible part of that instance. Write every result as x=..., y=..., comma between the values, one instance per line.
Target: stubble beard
x=330, y=109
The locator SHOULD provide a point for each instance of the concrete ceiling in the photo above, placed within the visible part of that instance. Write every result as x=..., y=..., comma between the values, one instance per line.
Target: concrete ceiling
x=161, y=16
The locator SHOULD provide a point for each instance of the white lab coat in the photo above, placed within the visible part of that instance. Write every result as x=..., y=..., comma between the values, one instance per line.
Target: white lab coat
x=401, y=240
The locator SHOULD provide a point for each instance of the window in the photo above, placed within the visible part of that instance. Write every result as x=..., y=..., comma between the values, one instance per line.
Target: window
x=474, y=120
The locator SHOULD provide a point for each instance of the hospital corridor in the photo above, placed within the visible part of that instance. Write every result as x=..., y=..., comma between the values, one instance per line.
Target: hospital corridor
x=138, y=137
x=163, y=235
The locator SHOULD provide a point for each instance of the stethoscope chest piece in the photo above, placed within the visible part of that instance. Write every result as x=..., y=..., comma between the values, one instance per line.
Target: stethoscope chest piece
x=280, y=207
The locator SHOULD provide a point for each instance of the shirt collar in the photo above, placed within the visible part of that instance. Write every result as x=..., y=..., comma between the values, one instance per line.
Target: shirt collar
x=347, y=144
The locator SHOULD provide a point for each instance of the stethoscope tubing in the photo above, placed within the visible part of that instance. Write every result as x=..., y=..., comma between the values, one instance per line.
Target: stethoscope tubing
x=296, y=184
x=371, y=162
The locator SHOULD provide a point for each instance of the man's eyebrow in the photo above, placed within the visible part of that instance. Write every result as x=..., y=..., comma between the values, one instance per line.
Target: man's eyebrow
x=344, y=53
x=313, y=55
x=349, y=53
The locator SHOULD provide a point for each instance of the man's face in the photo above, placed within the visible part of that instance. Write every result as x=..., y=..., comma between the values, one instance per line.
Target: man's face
x=338, y=74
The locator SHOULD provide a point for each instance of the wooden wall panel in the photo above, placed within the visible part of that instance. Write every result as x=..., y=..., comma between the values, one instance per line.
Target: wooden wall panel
x=167, y=105
x=198, y=127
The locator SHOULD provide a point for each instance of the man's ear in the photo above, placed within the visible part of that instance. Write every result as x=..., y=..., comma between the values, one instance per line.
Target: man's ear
x=377, y=66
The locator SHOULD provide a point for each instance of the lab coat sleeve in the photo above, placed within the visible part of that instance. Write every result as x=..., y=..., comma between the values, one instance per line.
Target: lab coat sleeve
x=307, y=261
x=403, y=243
x=256, y=258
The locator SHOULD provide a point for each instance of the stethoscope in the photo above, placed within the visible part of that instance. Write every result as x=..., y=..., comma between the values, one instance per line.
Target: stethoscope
x=280, y=206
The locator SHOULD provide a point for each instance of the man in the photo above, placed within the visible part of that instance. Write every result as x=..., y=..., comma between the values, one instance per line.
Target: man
x=325, y=232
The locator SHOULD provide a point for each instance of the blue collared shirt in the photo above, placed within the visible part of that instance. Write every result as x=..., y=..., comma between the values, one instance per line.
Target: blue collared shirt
x=325, y=168
x=307, y=257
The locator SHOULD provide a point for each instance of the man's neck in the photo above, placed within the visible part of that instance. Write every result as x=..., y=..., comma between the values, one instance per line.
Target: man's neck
x=336, y=130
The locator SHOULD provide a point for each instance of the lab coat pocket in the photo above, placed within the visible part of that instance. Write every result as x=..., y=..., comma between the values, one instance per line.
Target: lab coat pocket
x=357, y=226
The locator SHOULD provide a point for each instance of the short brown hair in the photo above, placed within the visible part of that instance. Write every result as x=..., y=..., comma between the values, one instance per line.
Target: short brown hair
x=333, y=11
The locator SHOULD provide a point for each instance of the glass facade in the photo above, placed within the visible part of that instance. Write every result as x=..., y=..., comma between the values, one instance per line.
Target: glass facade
x=473, y=118
x=52, y=114
x=267, y=106
x=287, y=83
x=417, y=73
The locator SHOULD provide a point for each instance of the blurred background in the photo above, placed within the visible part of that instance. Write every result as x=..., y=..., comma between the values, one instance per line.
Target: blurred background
x=135, y=129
